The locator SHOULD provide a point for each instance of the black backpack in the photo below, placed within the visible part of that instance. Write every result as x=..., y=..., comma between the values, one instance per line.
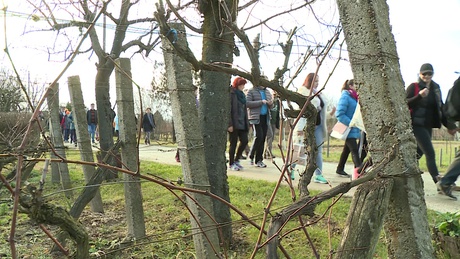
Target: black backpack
x=452, y=105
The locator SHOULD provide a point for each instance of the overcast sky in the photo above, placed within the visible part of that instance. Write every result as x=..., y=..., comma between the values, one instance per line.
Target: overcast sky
x=425, y=31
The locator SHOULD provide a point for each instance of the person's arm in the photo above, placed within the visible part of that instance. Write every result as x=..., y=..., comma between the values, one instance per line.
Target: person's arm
x=342, y=107
x=412, y=97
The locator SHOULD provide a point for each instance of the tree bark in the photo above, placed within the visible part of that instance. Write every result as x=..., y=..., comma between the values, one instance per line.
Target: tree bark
x=215, y=107
x=129, y=149
x=83, y=138
x=190, y=143
x=374, y=62
x=59, y=173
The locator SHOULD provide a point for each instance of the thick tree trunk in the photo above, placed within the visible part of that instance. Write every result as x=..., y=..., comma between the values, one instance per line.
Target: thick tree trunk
x=190, y=142
x=374, y=61
x=215, y=107
x=59, y=172
x=83, y=138
x=129, y=150
x=105, y=115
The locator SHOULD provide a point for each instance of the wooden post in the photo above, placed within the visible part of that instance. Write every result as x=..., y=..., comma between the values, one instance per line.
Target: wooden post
x=129, y=149
x=59, y=171
x=83, y=138
x=190, y=142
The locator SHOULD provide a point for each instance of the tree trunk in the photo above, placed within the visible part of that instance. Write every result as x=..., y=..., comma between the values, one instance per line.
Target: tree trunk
x=190, y=142
x=105, y=115
x=83, y=138
x=129, y=150
x=62, y=173
x=374, y=62
x=215, y=107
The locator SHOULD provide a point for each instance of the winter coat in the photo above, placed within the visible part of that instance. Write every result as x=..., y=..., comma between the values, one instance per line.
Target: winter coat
x=345, y=110
x=238, y=113
x=91, y=116
x=148, y=123
x=254, y=103
x=426, y=112
x=322, y=110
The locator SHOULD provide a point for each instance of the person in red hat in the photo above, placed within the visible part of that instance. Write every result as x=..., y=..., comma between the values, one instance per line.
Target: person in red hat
x=238, y=126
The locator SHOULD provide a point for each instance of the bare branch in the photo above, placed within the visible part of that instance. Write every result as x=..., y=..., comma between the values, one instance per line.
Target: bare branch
x=188, y=25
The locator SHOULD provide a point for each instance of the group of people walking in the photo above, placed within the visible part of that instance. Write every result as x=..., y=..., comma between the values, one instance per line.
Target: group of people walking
x=426, y=108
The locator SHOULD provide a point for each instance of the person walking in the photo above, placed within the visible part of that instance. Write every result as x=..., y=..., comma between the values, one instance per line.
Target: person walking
x=274, y=125
x=148, y=125
x=446, y=184
x=346, y=108
x=258, y=101
x=311, y=85
x=238, y=126
x=91, y=119
x=425, y=103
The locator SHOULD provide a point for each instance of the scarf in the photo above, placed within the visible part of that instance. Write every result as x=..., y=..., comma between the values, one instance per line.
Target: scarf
x=240, y=95
x=353, y=94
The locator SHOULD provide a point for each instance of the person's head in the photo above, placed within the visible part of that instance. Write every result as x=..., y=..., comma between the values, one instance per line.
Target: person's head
x=148, y=110
x=309, y=83
x=426, y=72
x=92, y=106
x=238, y=83
x=349, y=85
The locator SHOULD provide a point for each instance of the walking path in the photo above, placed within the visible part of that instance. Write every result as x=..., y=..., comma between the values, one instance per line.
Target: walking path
x=434, y=201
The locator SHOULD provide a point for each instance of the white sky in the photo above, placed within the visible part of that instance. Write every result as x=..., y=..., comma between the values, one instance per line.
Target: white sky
x=425, y=31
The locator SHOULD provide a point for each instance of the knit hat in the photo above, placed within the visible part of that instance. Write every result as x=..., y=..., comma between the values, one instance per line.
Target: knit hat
x=427, y=67
x=238, y=81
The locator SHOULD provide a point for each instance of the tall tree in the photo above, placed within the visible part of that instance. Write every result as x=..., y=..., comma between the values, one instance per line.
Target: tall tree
x=215, y=102
x=375, y=66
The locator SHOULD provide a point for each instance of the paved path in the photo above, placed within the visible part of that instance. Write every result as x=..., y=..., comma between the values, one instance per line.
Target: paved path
x=433, y=200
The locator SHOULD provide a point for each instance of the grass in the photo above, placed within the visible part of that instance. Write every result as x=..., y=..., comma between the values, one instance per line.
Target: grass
x=168, y=224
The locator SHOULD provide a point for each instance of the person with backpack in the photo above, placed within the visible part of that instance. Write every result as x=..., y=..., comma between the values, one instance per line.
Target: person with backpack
x=452, y=111
x=425, y=103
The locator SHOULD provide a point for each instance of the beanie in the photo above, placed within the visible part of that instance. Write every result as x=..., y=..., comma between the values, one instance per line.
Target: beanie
x=238, y=81
x=427, y=67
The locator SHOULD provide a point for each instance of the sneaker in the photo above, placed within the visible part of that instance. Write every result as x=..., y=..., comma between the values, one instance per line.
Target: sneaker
x=292, y=174
x=261, y=164
x=446, y=190
x=356, y=174
x=237, y=163
x=234, y=167
x=342, y=174
x=242, y=157
x=319, y=179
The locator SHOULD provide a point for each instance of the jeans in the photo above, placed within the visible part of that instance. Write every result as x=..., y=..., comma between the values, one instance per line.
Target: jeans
x=271, y=129
x=425, y=147
x=92, y=131
x=319, y=145
x=260, y=133
x=242, y=135
x=452, y=172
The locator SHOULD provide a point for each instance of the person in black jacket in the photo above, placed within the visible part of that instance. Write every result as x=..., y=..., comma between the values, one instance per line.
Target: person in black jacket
x=148, y=124
x=448, y=181
x=425, y=103
x=238, y=125
x=91, y=119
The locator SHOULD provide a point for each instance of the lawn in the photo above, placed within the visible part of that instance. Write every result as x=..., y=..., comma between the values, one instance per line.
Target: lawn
x=168, y=224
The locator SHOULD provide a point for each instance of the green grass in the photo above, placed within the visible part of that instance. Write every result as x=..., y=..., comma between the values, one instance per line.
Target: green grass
x=168, y=224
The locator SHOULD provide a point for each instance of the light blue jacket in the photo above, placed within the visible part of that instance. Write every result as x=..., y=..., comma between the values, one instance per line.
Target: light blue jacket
x=345, y=110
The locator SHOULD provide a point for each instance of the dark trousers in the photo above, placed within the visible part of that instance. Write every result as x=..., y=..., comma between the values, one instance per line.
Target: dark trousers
x=242, y=135
x=425, y=147
x=452, y=172
x=260, y=133
x=351, y=146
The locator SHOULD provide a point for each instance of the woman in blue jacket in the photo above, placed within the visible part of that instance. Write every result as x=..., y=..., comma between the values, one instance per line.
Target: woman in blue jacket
x=345, y=110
